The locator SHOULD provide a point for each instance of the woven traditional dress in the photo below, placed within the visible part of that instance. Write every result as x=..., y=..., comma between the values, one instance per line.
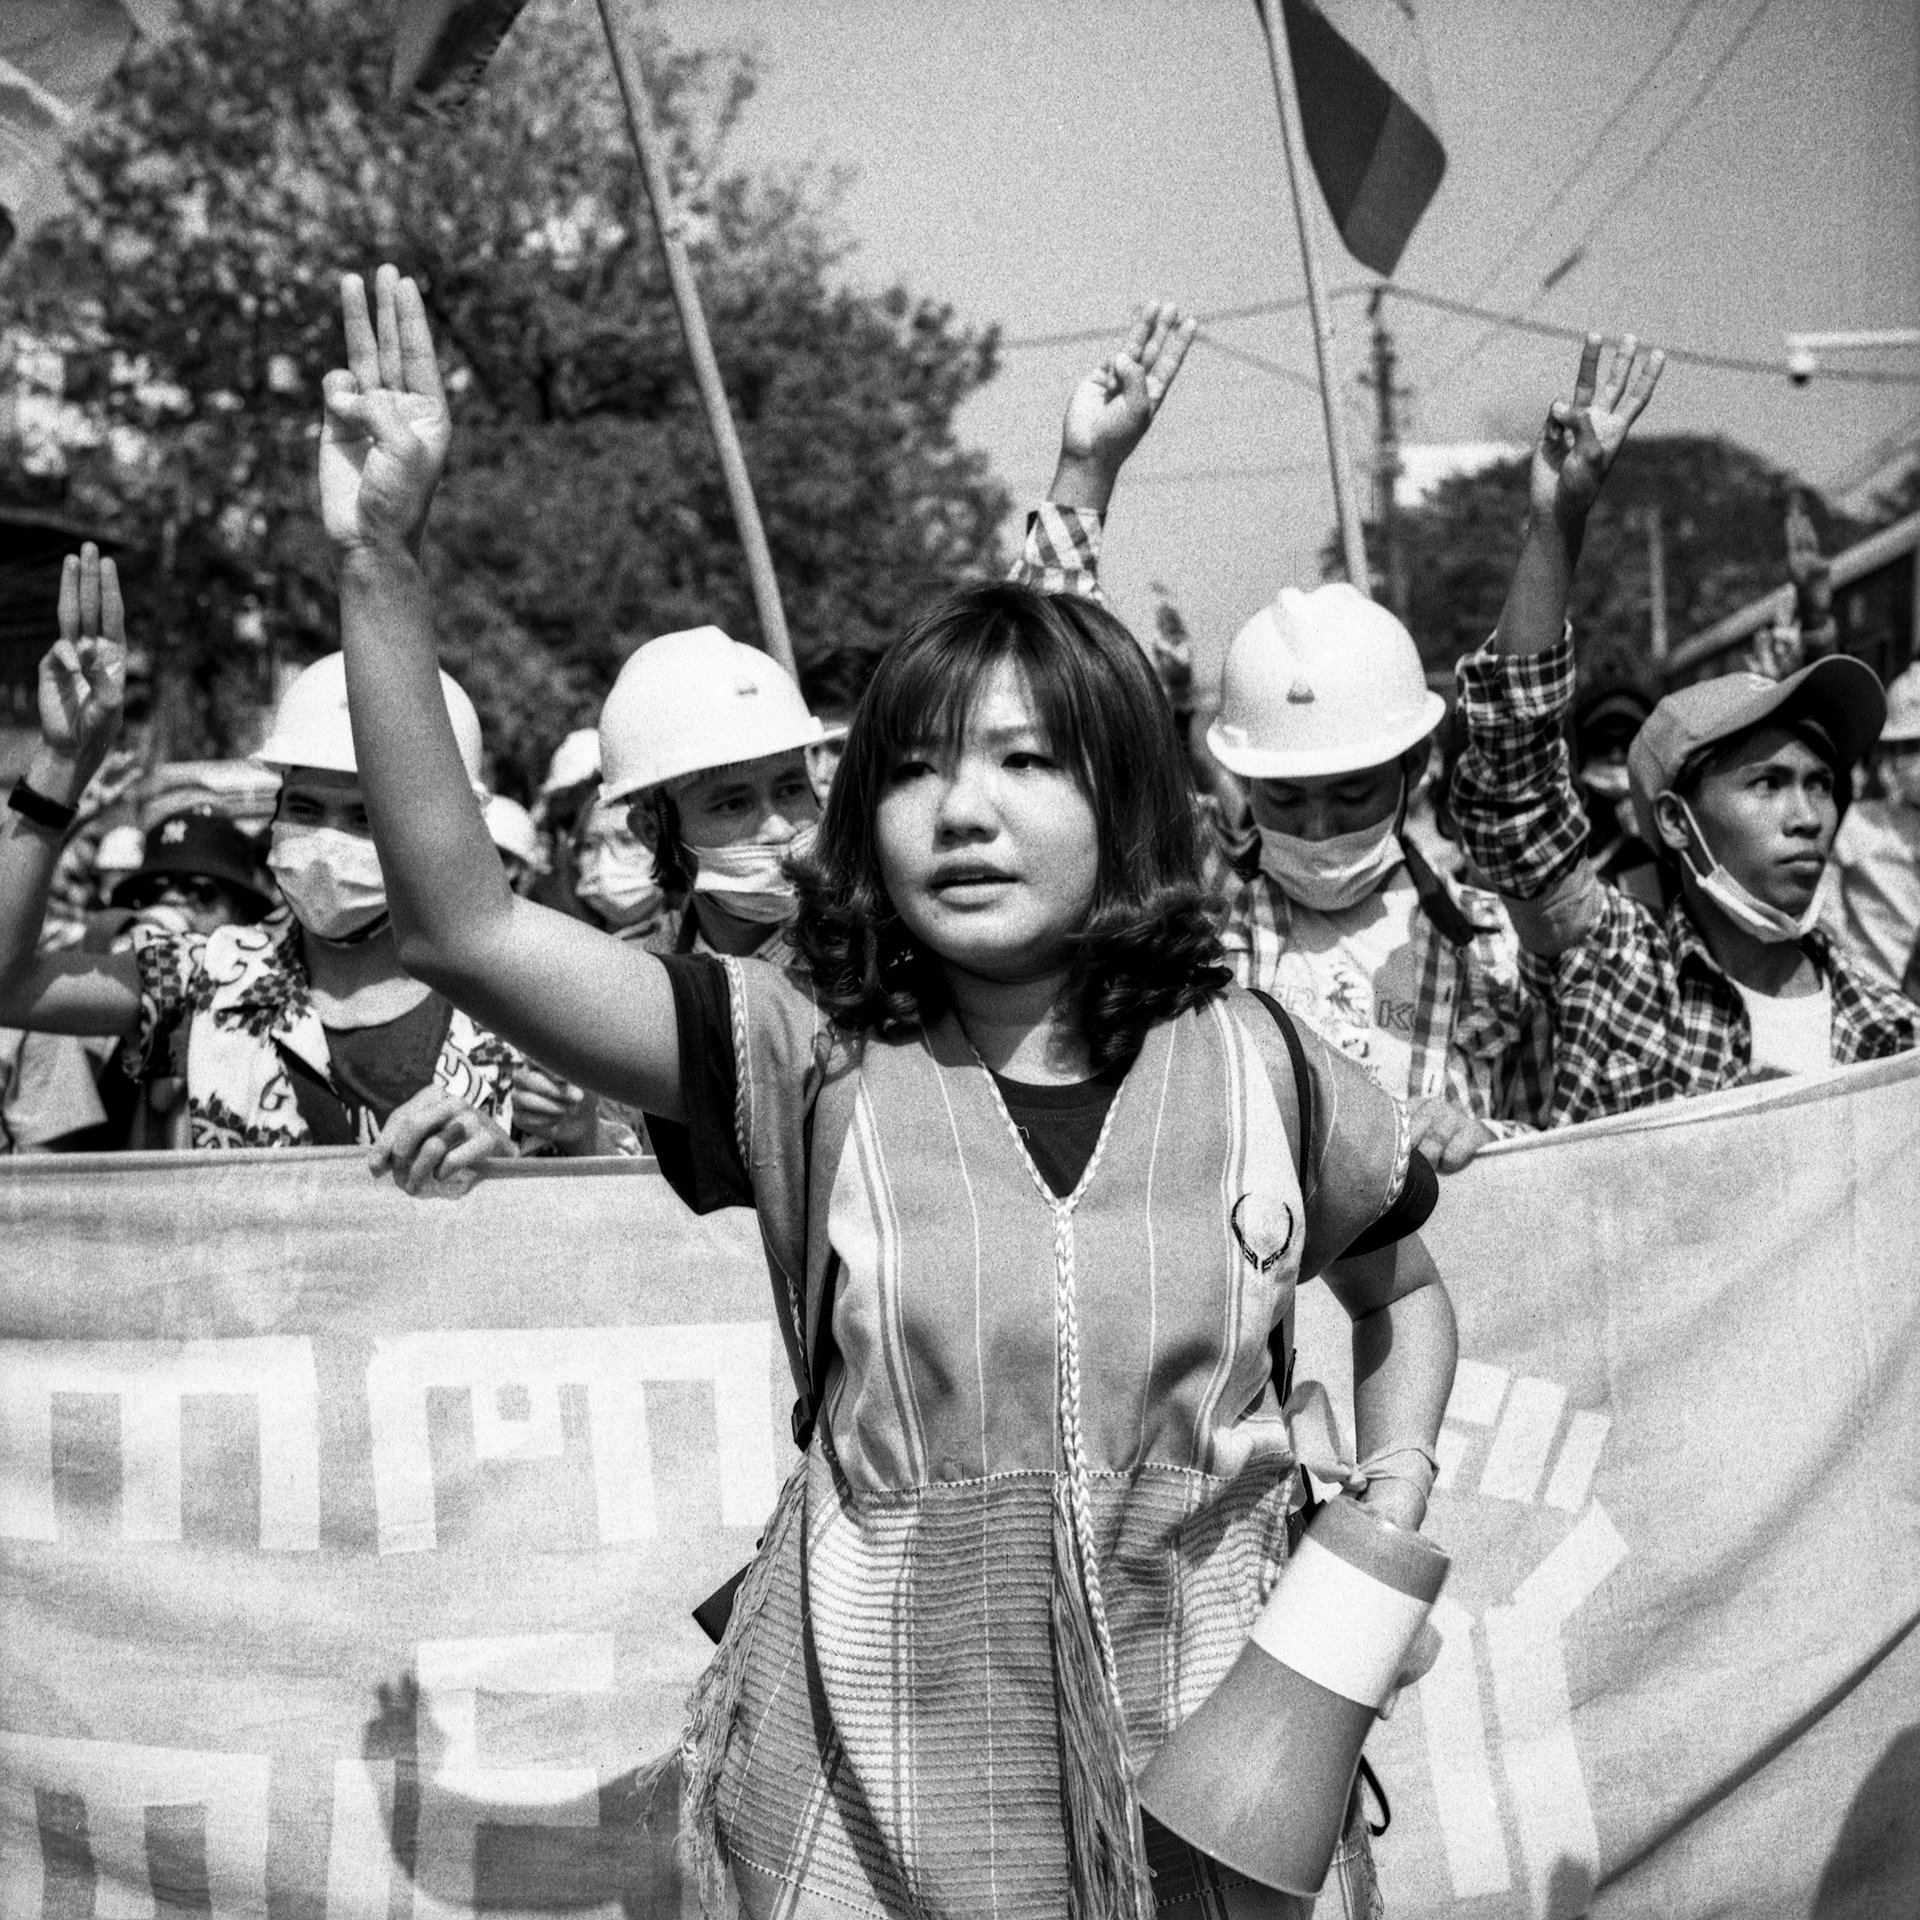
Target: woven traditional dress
x=1049, y=1447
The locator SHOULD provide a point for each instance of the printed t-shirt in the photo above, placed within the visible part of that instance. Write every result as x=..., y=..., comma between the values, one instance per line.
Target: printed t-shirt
x=1792, y=1033
x=1354, y=978
x=232, y=1013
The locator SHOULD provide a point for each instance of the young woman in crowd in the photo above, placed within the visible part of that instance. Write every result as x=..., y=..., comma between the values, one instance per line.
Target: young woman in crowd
x=1031, y=1179
x=303, y=1030
x=1738, y=783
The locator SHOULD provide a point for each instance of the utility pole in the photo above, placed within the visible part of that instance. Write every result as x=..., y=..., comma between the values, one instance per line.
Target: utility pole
x=1657, y=639
x=1386, y=455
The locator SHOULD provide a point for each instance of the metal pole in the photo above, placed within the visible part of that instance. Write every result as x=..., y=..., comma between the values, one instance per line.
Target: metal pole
x=1657, y=638
x=623, y=44
x=1346, y=497
x=1386, y=458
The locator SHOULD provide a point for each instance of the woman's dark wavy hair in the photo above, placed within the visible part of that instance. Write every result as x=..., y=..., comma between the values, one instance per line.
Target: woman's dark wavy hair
x=1149, y=949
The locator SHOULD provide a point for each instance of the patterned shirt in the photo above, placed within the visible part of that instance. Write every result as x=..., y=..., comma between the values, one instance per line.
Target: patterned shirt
x=1474, y=1031
x=232, y=1012
x=1641, y=1010
x=1478, y=1039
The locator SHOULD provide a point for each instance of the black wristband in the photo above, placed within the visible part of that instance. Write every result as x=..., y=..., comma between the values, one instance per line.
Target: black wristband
x=32, y=805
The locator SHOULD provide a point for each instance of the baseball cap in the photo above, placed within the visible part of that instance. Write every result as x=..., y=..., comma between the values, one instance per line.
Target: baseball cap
x=1842, y=694
x=199, y=846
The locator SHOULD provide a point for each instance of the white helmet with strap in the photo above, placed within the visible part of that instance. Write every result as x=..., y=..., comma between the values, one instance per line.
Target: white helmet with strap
x=311, y=729
x=1321, y=683
x=690, y=701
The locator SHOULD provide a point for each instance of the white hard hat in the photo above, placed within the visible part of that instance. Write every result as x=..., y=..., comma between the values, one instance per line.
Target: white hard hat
x=1903, y=710
x=575, y=759
x=1318, y=683
x=690, y=701
x=510, y=827
x=310, y=726
x=121, y=850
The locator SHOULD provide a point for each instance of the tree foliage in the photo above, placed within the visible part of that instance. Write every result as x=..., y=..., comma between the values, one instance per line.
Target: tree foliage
x=1722, y=513
x=242, y=163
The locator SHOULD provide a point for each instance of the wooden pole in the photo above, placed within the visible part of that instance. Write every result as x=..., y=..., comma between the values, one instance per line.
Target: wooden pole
x=623, y=45
x=1346, y=496
x=1658, y=644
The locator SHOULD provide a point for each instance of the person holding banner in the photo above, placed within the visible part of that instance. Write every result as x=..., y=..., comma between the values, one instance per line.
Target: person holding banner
x=1737, y=783
x=303, y=1030
x=1036, y=1185
x=1327, y=719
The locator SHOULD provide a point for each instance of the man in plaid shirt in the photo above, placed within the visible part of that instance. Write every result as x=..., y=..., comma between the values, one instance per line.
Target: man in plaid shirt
x=1736, y=782
x=1329, y=907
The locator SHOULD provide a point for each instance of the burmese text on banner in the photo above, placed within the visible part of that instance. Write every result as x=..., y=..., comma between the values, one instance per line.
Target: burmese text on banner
x=273, y=1438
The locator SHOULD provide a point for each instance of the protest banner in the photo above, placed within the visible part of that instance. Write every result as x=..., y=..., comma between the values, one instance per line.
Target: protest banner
x=272, y=1437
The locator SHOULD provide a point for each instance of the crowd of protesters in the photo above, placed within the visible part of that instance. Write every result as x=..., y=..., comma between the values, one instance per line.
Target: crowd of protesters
x=1628, y=899
x=880, y=954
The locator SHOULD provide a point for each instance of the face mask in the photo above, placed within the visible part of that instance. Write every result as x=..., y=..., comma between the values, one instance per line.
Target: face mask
x=1902, y=778
x=331, y=880
x=619, y=881
x=1741, y=907
x=749, y=878
x=1329, y=875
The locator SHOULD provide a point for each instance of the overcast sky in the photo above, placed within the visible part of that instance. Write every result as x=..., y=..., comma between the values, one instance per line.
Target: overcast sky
x=1048, y=163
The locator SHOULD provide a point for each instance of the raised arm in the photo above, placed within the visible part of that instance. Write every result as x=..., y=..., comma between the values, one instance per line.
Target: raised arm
x=599, y=1011
x=82, y=685
x=1112, y=408
x=1576, y=450
x=1521, y=819
x=1107, y=416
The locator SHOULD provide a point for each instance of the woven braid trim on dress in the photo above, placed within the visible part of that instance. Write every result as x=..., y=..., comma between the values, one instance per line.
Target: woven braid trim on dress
x=1109, y=1877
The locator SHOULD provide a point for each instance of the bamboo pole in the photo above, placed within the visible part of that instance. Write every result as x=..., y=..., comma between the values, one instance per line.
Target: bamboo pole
x=1346, y=496
x=623, y=45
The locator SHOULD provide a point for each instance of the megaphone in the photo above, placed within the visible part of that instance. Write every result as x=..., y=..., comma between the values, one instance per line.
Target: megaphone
x=1259, y=1775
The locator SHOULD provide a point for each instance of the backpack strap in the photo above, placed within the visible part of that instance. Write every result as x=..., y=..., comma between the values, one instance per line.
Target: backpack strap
x=1448, y=918
x=1282, y=1352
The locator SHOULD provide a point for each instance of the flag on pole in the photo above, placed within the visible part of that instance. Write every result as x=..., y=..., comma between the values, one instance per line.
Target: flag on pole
x=441, y=47
x=1366, y=107
x=55, y=55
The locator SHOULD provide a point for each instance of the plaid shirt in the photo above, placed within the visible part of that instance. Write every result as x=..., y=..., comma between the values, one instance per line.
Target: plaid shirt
x=1062, y=552
x=1641, y=1011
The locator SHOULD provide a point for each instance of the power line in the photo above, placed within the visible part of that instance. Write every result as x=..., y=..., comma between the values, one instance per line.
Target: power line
x=1691, y=356
x=1500, y=319
x=1083, y=336
x=1574, y=252
x=1660, y=146
x=1593, y=146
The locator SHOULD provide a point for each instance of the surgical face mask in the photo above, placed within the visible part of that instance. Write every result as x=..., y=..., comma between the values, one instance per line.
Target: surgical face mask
x=331, y=880
x=1330, y=875
x=1741, y=907
x=619, y=880
x=1901, y=776
x=749, y=878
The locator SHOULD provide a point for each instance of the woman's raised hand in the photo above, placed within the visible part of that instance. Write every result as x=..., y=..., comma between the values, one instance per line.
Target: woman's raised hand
x=83, y=676
x=1113, y=407
x=1583, y=435
x=387, y=428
